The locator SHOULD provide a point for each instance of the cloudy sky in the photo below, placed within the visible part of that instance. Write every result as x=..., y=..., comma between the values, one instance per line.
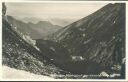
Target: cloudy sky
x=66, y=11
x=51, y=10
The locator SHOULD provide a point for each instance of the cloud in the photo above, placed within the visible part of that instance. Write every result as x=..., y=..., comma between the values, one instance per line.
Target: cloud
x=52, y=10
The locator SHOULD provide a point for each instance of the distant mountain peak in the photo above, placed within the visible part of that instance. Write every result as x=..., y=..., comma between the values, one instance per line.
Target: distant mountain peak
x=37, y=30
x=44, y=22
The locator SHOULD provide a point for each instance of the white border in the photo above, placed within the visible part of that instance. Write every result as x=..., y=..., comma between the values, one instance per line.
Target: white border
x=0, y=42
x=39, y=1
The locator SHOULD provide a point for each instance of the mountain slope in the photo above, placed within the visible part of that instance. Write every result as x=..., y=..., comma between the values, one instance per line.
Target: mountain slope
x=99, y=37
x=44, y=28
x=35, y=31
x=19, y=54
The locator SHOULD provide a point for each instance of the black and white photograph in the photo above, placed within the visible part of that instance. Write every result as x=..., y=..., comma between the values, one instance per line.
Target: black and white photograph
x=63, y=40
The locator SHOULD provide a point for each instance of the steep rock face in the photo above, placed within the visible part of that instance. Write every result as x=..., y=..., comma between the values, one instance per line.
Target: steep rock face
x=99, y=37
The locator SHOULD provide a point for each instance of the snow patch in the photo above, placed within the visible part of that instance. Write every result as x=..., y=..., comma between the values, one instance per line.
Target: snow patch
x=82, y=29
x=77, y=58
x=104, y=74
x=11, y=73
x=114, y=75
x=29, y=40
x=123, y=60
x=85, y=42
x=83, y=35
x=53, y=49
x=114, y=22
x=116, y=67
